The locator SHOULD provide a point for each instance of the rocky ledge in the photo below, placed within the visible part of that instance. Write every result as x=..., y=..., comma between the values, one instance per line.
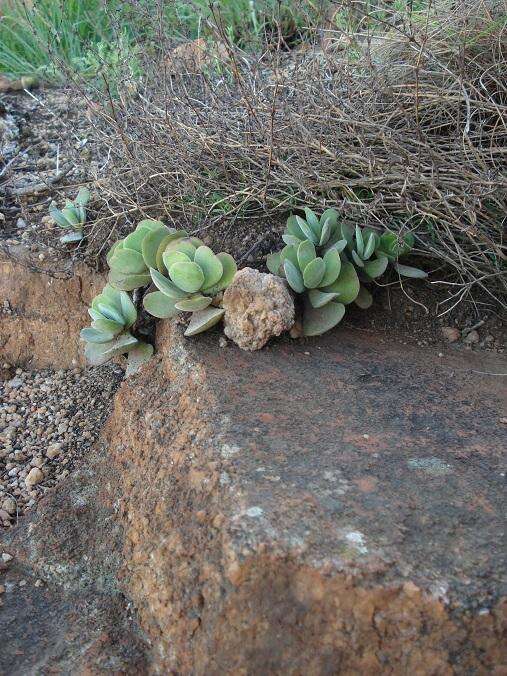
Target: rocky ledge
x=328, y=506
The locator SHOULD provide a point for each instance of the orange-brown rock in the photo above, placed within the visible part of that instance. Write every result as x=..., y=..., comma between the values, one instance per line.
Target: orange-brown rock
x=41, y=314
x=327, y=507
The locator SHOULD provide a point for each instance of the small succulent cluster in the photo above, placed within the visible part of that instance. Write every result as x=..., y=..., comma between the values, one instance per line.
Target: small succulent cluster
x=326, y=261
x=186, y=274
x=113, y=313
x=72, y=217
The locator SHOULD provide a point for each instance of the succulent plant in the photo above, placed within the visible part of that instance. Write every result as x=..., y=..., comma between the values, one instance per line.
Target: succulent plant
x=195, y=277
x=113, y=313
x=326, y=260
x=72, y=217
x=328, y=284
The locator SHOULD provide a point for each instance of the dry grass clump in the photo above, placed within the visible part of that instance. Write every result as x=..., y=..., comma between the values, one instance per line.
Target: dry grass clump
x=401, y=123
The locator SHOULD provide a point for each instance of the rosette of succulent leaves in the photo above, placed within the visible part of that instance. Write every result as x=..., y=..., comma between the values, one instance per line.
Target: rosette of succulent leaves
x=187, y=277
x=72, y=217
x=328, y=262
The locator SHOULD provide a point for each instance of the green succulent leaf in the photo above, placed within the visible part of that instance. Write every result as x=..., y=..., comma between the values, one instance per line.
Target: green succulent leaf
x=346, y=233
x=273, y=263
x=128, y=282
x=229, y=270
x=83, y=197
x=166, y=286
x=305, y=254
x=107, y=326
x=127, y=261
x=100, y=353
x=110, y=312
x=137, y=356
x=159, y=305
x=72, y=216
x=194, y=303
x=317, y=321
x=347, y=284
x=71, y=237
x=359, y=241
x=116, y=245
x=307, y=230
x=376, y=267
x=364, y=299
x=292, y=239
x=59, y=217
x=358, y=261
x=184, y=245
x=293, y=276
x=93, y=335
x=333, y=265
x=290, y=253
x=294, y=229
x=313, y=221
x=204, y=320
x=151, y=244
x=170, y=257
x=96, y=315
x=320, y=298
x=210, y=265
x=408, y=271
x=331, y=216
x=325, y=233
x=369, y=247
x=314, y=273
x=187, y=276
x=128, y=309
x=135, y=239
x=165, y=242
x=153, y=225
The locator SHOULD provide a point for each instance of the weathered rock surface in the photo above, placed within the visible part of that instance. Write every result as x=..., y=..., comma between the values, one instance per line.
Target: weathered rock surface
x=41, y=315
x=325, y=507
x=257, y=307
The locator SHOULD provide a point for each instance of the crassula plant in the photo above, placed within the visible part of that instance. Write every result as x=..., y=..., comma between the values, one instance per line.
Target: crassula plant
x=185, y=276
x=72, y=217
x=328, y=263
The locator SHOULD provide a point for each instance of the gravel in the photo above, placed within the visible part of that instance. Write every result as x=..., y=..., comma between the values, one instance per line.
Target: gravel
x=48, y=420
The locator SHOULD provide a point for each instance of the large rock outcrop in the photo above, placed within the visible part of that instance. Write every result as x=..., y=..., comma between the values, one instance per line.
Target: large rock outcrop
x=41, y=314
x=324, y=507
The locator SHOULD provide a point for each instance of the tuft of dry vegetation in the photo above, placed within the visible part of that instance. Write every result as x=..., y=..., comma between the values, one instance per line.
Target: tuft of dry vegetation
x=397, y=119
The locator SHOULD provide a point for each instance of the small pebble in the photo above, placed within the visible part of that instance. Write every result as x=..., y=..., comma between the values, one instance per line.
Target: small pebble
x=35, y=476
x=22, y=583
x=472, y=338
x=6, y=557
x=450, y=333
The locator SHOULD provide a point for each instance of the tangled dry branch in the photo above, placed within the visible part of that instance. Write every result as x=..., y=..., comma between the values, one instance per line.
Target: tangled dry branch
x=405, y=127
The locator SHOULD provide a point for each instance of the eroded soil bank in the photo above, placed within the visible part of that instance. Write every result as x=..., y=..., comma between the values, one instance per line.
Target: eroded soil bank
x=326, y=506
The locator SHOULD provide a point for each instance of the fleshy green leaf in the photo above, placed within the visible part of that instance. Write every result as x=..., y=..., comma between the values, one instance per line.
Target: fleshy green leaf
x=320, y=298
x=166, y=286
x=376, y=267
x=347, y=284
x=330, y=215
x=128, y=309
x=273, y=263
x=100, y=353
x=116, y=245
x=165, y=242
x=325, y=233
x=333, y=265
x=364, y=298
x=159, y=305
x=313, y=221
x=83, y=197
x=294, y=229
x=153, y=225
x=135, y=239
x=194, y=303
x=359, y=241
x=229, y=270
x=170, y=257
x=93, y=335
x=317, y=321
x=357, y=260
x=305, y=253
x=110, y=312
x=71, y=215
x=314, y=273
x=59, y=217
x=151, y=243
x=370, y=247
x=107, y=326
x=408, y=271
x=127, y=261
x=291, y=239
x=290, y=253
x=293, y=276
x=187, y=276
x=71, y=237
x=209, y=264
x=203, y=320
x=307, y=230
x=128, y=282
x=140, y=354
